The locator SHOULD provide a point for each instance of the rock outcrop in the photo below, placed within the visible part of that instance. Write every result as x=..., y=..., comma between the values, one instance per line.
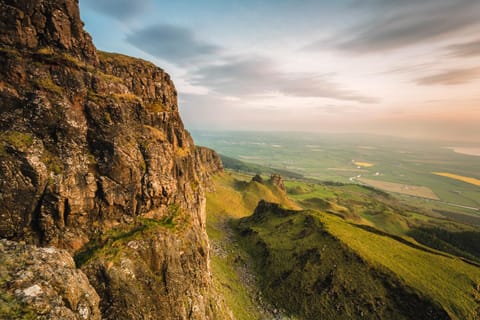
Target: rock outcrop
x=43, y=282
x=36, y=24
x=277, y=180
x=274, y=180
x=93, y=152
x=210, y=164
x=257, y=178
x=265, y=208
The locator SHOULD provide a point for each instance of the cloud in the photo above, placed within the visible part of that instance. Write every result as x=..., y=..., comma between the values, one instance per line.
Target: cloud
x=467, y=49
x=172, y=43
x=411, y=68
x=119, y=9
x=451, y=77
x=233, y=76
x=259, y=76
x=396, y=24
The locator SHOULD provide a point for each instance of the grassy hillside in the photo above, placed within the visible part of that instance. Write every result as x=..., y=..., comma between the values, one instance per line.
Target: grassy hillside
x=375, y=208
x=352, y=252
x=236, y=196
x=295, y=253
x=444, y=279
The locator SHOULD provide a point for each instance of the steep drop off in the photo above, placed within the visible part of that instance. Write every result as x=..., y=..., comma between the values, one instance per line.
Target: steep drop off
x=95, y=160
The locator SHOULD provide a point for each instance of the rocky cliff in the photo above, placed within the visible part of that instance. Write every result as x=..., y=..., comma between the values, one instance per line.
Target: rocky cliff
x=94, y=159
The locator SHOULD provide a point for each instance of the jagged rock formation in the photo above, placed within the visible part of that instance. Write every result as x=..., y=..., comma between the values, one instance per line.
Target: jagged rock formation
x=257, y=178
x=33, y=25
x=43, y=282
x=277, y=180
x=92, y=143
x=211, y=165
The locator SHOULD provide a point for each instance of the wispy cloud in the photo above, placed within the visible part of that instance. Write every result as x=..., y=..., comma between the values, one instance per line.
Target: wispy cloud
x=396, y=24
x=259, y=75
x=451, y=77
x=336, y=109
x=119, y=9
x=247, y=75
x=467, y=49
x=172, y=43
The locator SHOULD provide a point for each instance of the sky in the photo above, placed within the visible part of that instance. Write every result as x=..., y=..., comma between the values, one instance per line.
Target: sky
x=406, y=68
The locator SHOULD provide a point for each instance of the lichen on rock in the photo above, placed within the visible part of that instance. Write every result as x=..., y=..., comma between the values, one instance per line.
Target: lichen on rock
x=43, y=283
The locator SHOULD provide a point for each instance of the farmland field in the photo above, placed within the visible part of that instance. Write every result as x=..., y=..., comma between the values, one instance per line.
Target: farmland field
x=363, y=164
x=457, y=177
x=347, y=158
x=416, y=191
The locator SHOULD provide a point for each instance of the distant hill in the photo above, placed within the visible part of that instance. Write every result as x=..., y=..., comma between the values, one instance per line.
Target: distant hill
x=238, y=165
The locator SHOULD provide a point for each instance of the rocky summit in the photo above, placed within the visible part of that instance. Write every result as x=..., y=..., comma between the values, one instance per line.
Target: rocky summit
x=95, y=163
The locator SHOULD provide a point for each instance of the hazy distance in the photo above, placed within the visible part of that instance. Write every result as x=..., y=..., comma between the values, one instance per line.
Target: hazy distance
x=406, y=68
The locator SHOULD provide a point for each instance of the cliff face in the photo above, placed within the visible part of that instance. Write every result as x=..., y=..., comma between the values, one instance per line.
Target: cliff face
x=94, y=153
x=35, y=24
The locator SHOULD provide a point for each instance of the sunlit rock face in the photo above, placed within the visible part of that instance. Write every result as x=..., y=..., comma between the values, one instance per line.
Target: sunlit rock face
x=91, y=143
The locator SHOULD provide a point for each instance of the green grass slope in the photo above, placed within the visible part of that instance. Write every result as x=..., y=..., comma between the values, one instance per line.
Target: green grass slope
x=446, y=280
x=308, y=271
x=235, y=196
x=357, y=257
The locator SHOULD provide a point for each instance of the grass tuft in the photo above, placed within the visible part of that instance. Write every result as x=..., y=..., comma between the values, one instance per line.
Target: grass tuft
x=15, y=139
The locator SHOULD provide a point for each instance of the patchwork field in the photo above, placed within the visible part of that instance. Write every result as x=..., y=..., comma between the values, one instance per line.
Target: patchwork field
x=416, y=191
x=473, y=181
x=346, y=158
x=363, y=164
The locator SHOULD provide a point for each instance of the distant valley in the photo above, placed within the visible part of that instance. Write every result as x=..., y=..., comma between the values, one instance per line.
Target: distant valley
x=426, y=173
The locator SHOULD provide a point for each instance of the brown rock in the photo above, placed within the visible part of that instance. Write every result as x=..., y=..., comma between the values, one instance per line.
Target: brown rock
x=43, y=282
x=209, y=164
x=91, y=144
x=158, y=276
x=257, y=178
x=40, y=24
x=277, y=180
